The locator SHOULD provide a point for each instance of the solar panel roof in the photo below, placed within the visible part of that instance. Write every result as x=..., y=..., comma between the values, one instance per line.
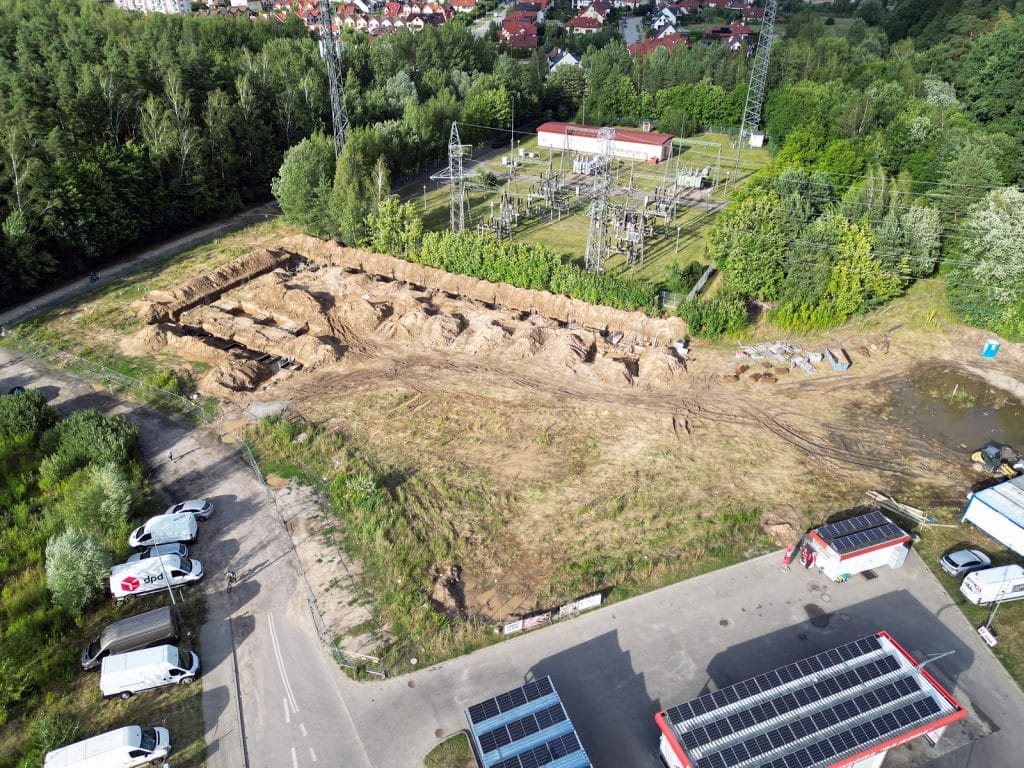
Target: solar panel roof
x=860, y=532
x=813, y=713
x=526, y=727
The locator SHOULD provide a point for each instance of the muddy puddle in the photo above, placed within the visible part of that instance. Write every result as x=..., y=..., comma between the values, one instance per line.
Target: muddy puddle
x=958, y=411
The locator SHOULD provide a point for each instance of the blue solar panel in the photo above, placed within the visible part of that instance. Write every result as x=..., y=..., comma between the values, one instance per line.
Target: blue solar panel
x=852, y=525
x=485, y=710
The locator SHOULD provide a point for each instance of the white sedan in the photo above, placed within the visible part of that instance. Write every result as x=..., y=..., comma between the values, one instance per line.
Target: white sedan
x=201, y=508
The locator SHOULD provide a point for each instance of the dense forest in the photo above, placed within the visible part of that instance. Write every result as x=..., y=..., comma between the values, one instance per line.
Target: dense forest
x=117, y=128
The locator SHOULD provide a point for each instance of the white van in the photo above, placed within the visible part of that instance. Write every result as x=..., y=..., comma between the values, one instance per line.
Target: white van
x=177, y=548
x=994, y=585
x=124, y=748
x=129, y=580
x=164, y=529
x=123, y=674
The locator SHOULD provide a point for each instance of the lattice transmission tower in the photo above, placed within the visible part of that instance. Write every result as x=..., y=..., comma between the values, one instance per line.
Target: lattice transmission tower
x=758, y=77
x=455, y=175
x=597, y=239
x=332, y=50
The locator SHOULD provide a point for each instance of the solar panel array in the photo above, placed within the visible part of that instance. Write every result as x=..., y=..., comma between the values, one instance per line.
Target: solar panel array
x=769, y=681
x=526, y=728
x=808, y=714
x=860, y=532
x=485, y=710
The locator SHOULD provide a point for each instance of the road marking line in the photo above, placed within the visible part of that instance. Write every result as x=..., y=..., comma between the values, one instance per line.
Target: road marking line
x=302, y=727
x=280, y=664
x=295, y=758
x=287, y=713
x=312, y=754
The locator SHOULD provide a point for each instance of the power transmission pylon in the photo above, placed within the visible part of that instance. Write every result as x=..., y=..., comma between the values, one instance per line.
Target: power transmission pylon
x=455, y=175
x=597, y=239
x=332, y=50
x=758, y=77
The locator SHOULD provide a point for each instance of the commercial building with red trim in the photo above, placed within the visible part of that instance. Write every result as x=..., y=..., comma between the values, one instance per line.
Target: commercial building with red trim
x=648, y=146
x=843, y=708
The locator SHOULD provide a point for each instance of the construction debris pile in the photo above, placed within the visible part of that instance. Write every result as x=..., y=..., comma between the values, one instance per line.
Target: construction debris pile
x=764, y=363
x=269, y=314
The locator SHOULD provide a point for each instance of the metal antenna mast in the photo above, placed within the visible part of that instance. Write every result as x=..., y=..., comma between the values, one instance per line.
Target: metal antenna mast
x=455, y=175
x=597, y=239
x=332, y=50
x=758, y=76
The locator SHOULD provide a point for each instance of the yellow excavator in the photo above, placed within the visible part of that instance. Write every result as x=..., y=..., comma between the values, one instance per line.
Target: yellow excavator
x=998, y=460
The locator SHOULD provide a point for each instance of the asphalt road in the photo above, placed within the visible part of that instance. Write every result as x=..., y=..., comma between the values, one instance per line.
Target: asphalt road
x=615, y=667
x=11, y=316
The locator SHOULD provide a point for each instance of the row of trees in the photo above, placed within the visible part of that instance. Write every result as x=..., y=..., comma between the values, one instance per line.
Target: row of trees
x=68, y=488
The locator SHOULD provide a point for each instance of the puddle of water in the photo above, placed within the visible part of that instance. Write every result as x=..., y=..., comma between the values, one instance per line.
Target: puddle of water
x=957, y=410
x=817, y=615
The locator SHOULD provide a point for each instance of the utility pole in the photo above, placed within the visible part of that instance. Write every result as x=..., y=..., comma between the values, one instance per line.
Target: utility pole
x=455, y=175
x=758, y=77
x=597, y=239
x=332, y=50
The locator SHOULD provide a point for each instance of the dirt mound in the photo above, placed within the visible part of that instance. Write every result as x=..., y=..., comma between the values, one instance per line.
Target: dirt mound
x=154, y=339
x=448, y=595
x=569, y=349
x=439, y=331
x=528, y=341
x=659, y=365
x=237, y=375
x=551, y=305
x=165, y=306
x=611, y=370
x=403, y=328
x=483, y=336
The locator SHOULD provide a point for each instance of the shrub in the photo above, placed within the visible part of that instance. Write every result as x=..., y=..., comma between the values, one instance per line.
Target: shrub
x=85, y=437
x=715, y=316
x=24, y=416
x=76, y=567
x=681, y=279
x=46, y=733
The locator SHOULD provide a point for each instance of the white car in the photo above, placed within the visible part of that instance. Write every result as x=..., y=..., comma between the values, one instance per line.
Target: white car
x=176, y=548
x=201, y=508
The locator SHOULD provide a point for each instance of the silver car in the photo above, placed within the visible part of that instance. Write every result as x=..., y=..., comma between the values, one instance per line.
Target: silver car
x=176, y=548
x=963, y=561
x=201, y=508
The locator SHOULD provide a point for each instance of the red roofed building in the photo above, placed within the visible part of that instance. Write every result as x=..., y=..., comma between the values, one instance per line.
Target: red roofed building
x=584, y=25
x=523, y=17
x=463, y=6
x=646, y=47
x=519, y=34
x=392, y=9
x=648, y=146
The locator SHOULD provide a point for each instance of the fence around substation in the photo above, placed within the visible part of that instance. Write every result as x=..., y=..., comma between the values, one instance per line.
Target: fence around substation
x=133, y=387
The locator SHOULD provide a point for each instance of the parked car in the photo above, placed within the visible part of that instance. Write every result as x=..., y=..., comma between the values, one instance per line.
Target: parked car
x=164, y=529
x=124, y=674
x=963, y=561
x=201, y=508
x=174, y=548
x=126, y=747
x=131, y=634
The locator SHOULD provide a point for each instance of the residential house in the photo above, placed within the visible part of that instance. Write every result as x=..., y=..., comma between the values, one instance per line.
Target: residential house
x=559, y=58
x=583, y=25
x=753, y=14
x=598, y=11
x=463, y=6
x=518, y=34
x=523, y=17
x=647, y=47
x=535, y=8
x=155, y=6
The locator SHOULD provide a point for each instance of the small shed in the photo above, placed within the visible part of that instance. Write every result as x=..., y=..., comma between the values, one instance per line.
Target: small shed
x=524, y=728
x=841, y=550
x=847, y=706
x=999, y=512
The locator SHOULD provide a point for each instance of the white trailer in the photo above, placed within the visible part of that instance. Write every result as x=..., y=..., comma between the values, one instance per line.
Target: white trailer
x=841, y=550
x=125, y=747
x=141, y=577
x=999, y=512
x=123, y=674
x=994, y=585
x=165, y=529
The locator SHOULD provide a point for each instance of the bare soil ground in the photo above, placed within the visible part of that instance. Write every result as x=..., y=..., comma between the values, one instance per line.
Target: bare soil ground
x=566, y=463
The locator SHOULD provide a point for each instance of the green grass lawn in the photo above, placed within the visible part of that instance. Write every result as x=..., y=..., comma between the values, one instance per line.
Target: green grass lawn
x=453, y=752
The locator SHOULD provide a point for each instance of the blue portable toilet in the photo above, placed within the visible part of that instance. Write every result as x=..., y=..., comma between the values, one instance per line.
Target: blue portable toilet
x=990, y=349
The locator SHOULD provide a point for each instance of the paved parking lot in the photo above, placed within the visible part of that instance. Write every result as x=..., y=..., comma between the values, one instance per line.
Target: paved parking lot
x=617, y=666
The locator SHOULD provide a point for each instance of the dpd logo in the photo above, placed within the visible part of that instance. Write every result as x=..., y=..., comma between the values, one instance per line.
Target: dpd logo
x=129, y=583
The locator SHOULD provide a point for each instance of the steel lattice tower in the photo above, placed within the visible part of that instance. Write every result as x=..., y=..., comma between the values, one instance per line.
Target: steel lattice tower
x=332, y=51
x=758, y=76
x=456, y=178
x=597, y=239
